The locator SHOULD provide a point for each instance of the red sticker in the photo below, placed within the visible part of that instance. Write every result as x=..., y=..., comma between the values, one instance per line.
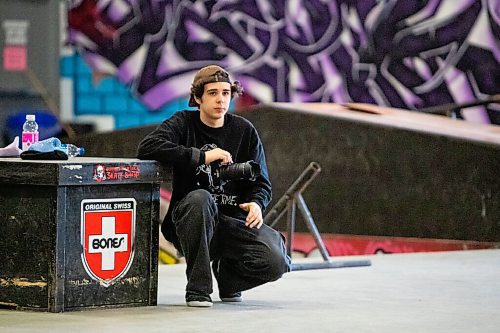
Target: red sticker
x=106, y=172
x=107, y=232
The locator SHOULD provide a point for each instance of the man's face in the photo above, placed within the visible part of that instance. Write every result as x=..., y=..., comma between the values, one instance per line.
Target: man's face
x=215, y=101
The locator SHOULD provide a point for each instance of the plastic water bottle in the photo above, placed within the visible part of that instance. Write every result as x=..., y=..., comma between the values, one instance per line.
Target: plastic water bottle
x=71, y=150
x=46, y=145
x=30, y=132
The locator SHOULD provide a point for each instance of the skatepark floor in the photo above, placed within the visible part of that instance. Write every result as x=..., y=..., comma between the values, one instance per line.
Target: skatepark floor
x=455, y=291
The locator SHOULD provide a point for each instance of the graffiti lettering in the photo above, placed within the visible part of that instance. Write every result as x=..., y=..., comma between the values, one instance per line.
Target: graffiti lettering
x=406, y=54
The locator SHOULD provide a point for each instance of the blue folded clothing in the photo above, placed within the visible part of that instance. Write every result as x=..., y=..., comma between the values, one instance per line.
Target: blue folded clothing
x=48, y=149
x=45, y=146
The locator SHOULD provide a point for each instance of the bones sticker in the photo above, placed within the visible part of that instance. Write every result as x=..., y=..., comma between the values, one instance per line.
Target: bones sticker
x=107, y=237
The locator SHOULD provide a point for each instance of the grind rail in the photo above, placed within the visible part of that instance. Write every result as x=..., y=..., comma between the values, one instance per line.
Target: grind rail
x=288, y=203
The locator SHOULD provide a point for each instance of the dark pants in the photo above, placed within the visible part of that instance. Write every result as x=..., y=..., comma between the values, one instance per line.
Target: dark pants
x=243, y=257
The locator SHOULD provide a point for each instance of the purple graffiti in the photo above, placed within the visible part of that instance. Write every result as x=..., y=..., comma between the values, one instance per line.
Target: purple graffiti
x=407, y=54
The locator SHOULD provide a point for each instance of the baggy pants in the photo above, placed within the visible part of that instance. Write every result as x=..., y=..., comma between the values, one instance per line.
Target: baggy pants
x=243, y=257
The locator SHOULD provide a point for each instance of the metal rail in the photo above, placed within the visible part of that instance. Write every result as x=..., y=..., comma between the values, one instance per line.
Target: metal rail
x=288, y=203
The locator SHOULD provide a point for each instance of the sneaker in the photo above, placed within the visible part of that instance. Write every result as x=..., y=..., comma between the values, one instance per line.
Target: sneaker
x=199, y=301
x=235, y=297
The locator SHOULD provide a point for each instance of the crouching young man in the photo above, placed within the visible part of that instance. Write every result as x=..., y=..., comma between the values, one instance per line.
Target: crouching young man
x=220, y=190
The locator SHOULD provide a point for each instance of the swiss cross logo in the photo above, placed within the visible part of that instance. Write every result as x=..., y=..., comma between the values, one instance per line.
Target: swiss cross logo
x=107, y=229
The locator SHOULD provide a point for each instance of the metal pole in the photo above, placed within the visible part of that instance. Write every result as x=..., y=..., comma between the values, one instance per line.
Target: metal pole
x=300, y=184
x=277, y=218
x=291, y=209
x=288, y=203
x=312, y=226
x=330, y=264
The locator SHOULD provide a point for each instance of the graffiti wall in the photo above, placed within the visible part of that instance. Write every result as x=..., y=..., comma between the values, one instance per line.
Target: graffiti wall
x=407, y=54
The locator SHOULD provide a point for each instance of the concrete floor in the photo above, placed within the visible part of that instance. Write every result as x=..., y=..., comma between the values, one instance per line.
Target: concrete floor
x=419, y=292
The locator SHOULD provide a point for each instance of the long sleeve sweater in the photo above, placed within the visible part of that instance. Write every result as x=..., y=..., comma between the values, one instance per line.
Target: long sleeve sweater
x=181, y=141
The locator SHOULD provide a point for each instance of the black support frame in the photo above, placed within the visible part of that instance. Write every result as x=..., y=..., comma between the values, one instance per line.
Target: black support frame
x=288, y=203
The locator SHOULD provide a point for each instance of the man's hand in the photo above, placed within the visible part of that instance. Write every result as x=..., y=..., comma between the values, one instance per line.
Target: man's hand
x=218, y=154
x=254, y=217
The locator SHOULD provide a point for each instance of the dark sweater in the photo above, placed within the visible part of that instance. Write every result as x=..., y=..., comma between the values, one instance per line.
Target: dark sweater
x=181, y=141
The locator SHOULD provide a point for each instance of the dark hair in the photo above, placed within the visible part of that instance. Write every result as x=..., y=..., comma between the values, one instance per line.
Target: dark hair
x=236, y=90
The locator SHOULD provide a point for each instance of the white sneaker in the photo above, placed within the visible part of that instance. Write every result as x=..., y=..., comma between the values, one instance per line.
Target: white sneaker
x=199, y=301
